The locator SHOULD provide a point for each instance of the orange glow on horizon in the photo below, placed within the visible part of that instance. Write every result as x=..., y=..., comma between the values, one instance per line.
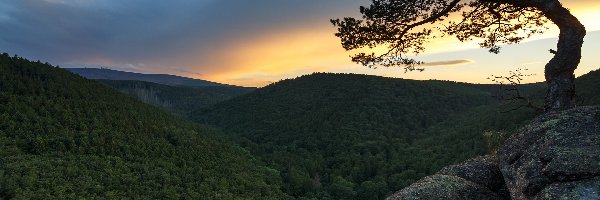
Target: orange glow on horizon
x=291, y=52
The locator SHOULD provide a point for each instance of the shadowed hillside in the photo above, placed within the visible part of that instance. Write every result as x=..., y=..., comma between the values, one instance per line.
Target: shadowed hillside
x=588, y=88
x=345, y=136
x=166, y=79
x=177, y=99
x=65, y=137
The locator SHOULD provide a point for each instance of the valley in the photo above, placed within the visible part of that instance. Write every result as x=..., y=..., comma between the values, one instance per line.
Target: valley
x=318, y=136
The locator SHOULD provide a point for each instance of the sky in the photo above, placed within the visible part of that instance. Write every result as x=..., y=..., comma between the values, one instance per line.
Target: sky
x=248, y=43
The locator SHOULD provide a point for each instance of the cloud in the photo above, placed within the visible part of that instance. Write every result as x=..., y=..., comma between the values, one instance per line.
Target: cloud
x=169, y=33
x=448, y=63
x=187, y=71
x=217, y=39
x=207, y=38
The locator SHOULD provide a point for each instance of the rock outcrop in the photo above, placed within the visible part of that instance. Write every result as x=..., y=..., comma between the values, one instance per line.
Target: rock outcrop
x=478, y=178
x=483, y=171
x=445, y=187
x=556, y=156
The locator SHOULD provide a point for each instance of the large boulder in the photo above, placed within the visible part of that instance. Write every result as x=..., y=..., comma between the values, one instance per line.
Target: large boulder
x=478, y=178
x=483, y=170
x=556, y=156
x=444, y=187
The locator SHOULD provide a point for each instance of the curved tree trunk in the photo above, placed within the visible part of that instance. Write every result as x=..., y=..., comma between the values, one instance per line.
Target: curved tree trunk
x=560, y=70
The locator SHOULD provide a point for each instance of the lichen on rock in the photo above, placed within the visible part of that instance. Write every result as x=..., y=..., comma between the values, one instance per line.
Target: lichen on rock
x=444, y=187
x=482, y=170
x=555, y=152
x=575, y=190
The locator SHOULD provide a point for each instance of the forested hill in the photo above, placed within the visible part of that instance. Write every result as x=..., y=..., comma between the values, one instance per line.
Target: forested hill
x=345, y=136
x=166, y=79
x=345, y=100
x=588, y=88
x=180, y=100
x=66, y=137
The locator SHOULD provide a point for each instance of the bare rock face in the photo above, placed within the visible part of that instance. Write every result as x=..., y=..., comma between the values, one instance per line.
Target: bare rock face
x=483, y=170
x=478, y=178
x=557, y=156
x=444, y=187
x=585, y=189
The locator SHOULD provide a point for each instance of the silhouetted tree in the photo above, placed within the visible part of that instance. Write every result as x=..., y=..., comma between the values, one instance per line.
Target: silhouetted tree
x=510, y=93
x=406, y=25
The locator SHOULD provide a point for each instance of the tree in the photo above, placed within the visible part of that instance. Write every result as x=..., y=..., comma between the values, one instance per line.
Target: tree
x=406, y=25
x=510, y=91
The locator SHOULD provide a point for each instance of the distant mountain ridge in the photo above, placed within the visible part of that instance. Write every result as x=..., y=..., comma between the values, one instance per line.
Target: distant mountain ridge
x=166, y=79
x=180, y=100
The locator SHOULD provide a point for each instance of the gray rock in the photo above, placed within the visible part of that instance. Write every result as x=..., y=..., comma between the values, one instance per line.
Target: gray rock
x=557, y=154
x=575, y=190
x=445, y=187
x=482, y=170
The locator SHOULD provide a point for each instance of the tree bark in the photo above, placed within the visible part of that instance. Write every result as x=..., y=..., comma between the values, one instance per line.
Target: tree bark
x=559, y=72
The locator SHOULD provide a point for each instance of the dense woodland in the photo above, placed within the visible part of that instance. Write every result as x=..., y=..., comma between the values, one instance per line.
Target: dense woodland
x=319, y=136
x=65, y=137
x=180, y=100
x=344, y=136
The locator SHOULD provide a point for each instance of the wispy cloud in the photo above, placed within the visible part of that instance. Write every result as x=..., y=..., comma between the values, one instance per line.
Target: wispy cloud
x=187, y=71
x=448, y=63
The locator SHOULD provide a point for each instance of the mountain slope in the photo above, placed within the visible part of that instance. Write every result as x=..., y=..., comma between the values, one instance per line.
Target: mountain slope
x=341, y=136
x=588, y=88
x=344, y=136
x=109, y=74
x=63, y=136
x=177, y=99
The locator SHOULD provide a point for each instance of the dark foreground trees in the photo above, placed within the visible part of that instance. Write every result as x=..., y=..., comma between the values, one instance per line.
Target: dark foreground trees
x=406, y=25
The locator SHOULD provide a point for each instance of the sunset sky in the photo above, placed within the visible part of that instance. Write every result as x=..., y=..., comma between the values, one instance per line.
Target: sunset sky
x=246, y=42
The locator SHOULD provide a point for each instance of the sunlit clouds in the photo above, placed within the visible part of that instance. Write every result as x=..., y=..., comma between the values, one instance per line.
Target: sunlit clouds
x=250, y=43
x=289, y=53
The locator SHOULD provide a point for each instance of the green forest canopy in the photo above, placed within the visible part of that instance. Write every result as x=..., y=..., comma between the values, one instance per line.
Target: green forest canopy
x=321, y=136
x=180, y=100
x=347, y=136
x=63, y=136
